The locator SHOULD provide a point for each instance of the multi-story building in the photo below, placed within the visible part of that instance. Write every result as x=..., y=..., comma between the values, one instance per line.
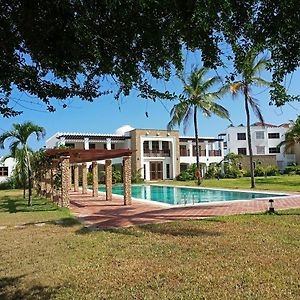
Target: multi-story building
x=6, y=168
x=265, y=139
x=158, y=154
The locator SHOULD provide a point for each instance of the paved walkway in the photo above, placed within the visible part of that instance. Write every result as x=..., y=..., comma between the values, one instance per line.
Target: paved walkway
x=110, y=214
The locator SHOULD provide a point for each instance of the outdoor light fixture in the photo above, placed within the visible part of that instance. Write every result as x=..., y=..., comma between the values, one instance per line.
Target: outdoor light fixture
x=271, y=207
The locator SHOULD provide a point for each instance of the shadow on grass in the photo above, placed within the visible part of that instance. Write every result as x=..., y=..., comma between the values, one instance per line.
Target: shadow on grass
x=278, y=213
x=65, y=222
x=12, y=288
x=15, y=205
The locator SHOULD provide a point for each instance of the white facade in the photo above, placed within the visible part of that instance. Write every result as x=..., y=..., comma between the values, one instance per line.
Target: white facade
x=265, y=141
x=6, y=168
x=158, y=149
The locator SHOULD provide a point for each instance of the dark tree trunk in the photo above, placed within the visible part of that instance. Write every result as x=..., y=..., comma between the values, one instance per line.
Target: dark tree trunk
x=246, y=94
x=29, y=187
x=24, y=189
x=198, y=172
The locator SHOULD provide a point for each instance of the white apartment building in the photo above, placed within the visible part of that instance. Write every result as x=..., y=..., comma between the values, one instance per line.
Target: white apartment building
x=6, y=168
x=265, y=140
x=158, y=154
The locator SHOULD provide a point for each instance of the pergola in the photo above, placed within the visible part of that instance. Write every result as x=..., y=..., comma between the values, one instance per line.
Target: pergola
x=76, y=157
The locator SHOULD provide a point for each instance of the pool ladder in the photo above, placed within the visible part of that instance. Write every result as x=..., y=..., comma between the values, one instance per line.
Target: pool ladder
x=185, y=200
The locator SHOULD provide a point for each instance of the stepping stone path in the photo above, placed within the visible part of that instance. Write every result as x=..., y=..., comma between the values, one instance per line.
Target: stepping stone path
x=3, y=227
x=39, y=224
x=19, y=226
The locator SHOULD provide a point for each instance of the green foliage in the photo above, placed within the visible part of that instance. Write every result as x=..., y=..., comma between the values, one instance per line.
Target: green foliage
x=188, y=174
x=292, y=170
x=214, y=171
x=259, y=171
x=89, y=178
x=272, y=171
x=116, y=175
x=137, y=177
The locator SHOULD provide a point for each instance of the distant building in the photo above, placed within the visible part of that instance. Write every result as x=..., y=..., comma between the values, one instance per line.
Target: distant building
x=265, y=139
x=160, y=154
x=6, y=168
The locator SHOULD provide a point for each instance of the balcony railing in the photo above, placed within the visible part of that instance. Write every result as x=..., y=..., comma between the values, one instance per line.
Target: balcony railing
x=201, y=152
x=214, y=153
x=157, y=153
x=184, y=152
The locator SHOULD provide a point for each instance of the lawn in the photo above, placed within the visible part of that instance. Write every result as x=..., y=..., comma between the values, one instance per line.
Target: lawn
x=283, y=183
x=238, y=257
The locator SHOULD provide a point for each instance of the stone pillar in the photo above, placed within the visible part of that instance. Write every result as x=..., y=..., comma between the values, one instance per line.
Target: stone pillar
x=65, y=180
x=206, y=150
x=86, y=143
x=127, y=179
x=76, y=177
x=108, y=179
x=84, y=178
x=95, y=178
x=54, y=168
x=190, y=146
x=70, y=177
x=48, y=183
x=108, y=144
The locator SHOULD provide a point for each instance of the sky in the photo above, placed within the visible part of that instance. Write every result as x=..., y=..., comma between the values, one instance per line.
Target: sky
x=105, y=114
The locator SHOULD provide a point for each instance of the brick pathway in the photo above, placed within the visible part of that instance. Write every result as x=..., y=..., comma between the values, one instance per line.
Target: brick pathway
x=109, y=214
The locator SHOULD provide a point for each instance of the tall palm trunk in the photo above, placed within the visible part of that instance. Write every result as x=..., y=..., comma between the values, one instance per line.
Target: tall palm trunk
x=29, y=177
x=197, y=146
x=246, y=94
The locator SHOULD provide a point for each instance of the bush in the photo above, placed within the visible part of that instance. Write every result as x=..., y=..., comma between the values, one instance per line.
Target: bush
x=137, y=178
x=292, y=170
x=259, y=171
x=188, y=174
x=272, y=171
x=213, y=171
x=12, y=182
x=116, y=176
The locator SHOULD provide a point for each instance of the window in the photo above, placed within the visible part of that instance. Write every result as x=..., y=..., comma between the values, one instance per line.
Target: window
x=260, y=135
x=228, y=138
x=274, y=135
x=113, y=146
x=165, y=145
x=70, y=145
x=242, y=151
x=241, y=136
x=274, y=150
x=260, y=149
x=168, y=170
x=146, y=146
x=92, y=146
x=3, y=171
x=105, y=146
x=155, y=146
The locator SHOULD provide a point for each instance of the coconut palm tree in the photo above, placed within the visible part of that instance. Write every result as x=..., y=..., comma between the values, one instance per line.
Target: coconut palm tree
x=18, y=146
x=292, y=136
x=197, y=97
x=249, y=73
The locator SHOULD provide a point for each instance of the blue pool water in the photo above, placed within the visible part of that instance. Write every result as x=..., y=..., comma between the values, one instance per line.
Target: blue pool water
x=181, y=195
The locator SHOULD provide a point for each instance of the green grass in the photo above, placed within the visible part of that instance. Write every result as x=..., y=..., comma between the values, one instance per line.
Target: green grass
x=238, y=257
x=283, y=183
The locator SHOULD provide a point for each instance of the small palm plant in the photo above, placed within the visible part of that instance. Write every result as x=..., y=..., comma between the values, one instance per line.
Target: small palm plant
x=249, y=73
x=20, y=150
x=292, y=136
x=197, y=97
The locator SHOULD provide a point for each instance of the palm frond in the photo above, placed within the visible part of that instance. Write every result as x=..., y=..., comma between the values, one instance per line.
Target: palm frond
x=235, y=88
x=261, y=82
x=256, y=109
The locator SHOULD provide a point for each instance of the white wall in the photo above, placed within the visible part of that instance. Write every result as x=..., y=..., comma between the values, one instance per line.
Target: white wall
x=10, y=163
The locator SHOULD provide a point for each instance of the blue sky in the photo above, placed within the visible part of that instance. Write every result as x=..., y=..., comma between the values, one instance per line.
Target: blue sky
x=106, y=114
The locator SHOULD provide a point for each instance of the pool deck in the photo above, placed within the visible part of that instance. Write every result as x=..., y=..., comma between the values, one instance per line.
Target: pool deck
x=99, y=213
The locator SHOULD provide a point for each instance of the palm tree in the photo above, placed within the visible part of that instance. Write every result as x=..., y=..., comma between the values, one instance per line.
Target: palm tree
x=197, y=97
x=292, y=137
x=18, y=146
x=20, y=169
x=249, y=72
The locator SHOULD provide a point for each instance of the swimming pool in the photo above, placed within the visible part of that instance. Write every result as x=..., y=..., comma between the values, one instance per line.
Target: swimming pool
x=184, y=195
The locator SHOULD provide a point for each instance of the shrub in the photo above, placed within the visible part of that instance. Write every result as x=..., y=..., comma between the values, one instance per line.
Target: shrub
x=292, y=170
x=259, y=171
x=188, y=174
x=136, y=177
x=272, y=171
x=213, y=171
x=116, y=175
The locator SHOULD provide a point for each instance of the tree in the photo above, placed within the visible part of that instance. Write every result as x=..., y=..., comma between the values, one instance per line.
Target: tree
x=62, y=49
x=197, y=97
x=20, y=170
x=292, y=136
x=248, y=71
x=19, y=147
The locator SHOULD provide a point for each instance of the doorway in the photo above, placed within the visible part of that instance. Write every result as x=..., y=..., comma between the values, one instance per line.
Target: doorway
x=156, y=170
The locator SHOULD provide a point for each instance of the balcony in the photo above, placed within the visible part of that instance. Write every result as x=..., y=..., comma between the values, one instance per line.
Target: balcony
x=184, y=152
x=214, y=153
x=201, y=152
x=157, y=153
